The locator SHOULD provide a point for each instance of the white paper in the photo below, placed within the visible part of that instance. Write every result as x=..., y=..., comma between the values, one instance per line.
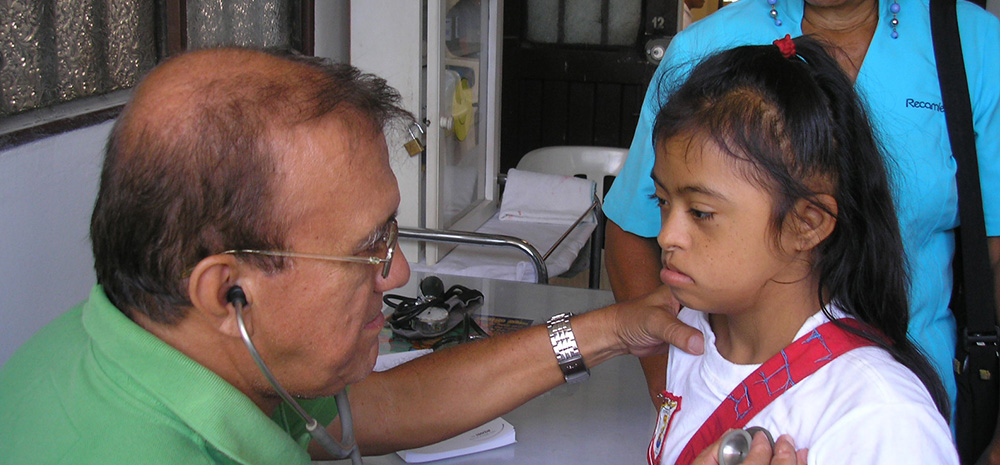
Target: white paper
x=394, y=359
x=497, y=433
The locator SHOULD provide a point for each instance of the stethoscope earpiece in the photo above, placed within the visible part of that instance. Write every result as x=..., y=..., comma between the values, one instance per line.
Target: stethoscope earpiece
x=235, y=296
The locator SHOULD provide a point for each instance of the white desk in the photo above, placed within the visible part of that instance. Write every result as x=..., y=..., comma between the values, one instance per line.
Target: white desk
x=607, y=419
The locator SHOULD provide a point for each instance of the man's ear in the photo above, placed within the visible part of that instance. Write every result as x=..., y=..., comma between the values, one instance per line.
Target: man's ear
x=813, y=221
x=208, y=286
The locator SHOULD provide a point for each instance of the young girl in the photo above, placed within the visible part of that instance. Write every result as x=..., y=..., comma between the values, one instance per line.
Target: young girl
x=777, y=218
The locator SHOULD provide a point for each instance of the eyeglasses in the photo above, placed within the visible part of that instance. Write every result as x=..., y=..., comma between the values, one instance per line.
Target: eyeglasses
x=389, y=238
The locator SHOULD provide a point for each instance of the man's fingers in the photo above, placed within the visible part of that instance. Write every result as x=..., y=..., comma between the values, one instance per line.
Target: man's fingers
x=710, y=455
x=684, y=337
x=785, y=453
x=646, y=327
x=760, y=450
x=760, y=453
x=676, y=333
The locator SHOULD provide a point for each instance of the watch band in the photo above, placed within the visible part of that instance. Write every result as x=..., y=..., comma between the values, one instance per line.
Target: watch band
x=567, y=352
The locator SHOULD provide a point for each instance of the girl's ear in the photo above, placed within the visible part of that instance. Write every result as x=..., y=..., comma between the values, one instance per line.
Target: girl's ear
x=813, y=220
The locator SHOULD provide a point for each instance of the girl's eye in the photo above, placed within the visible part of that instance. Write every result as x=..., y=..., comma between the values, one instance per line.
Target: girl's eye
x=700, y=215
x=660, y=201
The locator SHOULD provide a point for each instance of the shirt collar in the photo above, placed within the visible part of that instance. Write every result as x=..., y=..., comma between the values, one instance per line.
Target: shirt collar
x=790, y=13
x=157, y=373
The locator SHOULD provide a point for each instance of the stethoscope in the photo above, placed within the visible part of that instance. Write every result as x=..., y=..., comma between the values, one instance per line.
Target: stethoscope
x=339, y=450
x=735, y=445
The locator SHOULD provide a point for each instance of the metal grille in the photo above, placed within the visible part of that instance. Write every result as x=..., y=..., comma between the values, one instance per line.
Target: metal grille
x=59, y=50
x=56, y=51
x=584, y=22
x=245, y=23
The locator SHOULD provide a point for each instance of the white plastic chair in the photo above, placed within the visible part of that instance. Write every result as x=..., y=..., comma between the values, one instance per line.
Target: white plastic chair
x=593, y=162
x=571, y=160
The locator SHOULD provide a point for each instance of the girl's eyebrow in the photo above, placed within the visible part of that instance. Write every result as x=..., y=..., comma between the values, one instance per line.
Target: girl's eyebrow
x=693, y=189
x=657, y=181
x=696, y=189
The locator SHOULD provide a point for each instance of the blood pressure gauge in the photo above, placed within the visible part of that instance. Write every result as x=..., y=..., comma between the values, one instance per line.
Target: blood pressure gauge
x=432, y=320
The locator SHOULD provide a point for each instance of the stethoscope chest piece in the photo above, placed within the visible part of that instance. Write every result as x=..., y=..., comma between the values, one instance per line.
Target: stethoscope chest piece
x=736, y=445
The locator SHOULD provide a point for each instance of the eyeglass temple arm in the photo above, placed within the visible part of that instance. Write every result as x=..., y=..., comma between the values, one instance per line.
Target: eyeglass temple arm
x=473, y=238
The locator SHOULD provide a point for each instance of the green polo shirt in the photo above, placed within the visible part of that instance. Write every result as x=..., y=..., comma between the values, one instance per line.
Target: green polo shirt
x=92, y=387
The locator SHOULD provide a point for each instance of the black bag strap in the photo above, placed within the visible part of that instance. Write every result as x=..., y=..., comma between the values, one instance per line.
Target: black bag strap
x=975, y=300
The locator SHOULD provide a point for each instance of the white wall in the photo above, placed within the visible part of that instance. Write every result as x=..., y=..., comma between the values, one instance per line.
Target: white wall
x=385, y=40
x=47, y=191
x=333, y=30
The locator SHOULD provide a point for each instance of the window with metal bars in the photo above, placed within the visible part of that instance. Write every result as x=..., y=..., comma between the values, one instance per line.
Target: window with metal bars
x=584, y=22
x=66, y=64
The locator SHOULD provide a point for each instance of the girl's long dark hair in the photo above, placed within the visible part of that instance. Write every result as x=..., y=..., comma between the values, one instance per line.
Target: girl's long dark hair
x=792, y=122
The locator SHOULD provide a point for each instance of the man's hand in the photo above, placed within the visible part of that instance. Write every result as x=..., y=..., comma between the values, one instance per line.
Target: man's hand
x=648, y=326
x=633, y=265
x=784, y=452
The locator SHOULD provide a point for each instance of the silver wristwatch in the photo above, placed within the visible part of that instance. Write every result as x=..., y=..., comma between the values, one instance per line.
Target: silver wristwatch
x=567, y=352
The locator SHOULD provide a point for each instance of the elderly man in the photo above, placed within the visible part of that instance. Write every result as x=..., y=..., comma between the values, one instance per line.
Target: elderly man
x=250, y=195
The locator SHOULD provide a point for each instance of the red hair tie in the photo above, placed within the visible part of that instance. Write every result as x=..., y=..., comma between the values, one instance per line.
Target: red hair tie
x=786, y=45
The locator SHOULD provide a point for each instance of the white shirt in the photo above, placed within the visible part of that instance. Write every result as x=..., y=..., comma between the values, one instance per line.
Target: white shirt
x=862, y=408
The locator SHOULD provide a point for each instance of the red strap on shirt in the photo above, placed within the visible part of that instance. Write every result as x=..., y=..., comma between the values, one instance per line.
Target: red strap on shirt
x=775, y=376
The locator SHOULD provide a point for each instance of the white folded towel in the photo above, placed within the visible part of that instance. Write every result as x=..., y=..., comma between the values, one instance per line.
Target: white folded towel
x=545, y=198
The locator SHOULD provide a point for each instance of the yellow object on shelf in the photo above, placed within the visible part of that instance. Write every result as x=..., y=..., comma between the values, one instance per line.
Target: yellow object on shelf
x=461, y=110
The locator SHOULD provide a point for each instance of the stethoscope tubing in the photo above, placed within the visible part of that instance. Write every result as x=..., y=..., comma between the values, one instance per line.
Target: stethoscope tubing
x=318, y=431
